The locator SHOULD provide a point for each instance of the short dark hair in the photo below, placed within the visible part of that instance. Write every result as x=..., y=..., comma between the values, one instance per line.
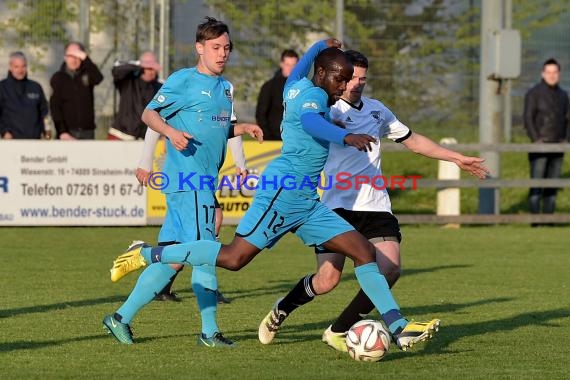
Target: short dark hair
x=79, y=45
x=329, y=57
x=211, y=29
x=551, y=61
x=357, y=58
x=289, y=53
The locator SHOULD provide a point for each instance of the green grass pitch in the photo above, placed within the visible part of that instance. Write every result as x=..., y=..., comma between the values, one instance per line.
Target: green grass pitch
x=502, y=294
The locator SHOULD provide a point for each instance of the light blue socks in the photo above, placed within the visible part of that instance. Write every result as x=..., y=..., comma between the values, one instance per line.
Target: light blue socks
x=376, y=288
x=196, y=253
x=151, y=281
x=204, y=285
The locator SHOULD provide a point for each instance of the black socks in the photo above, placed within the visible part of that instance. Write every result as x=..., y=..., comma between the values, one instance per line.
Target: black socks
x=301, y=294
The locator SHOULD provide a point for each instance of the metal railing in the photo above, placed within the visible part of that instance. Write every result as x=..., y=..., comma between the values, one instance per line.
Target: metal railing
x=495, y=183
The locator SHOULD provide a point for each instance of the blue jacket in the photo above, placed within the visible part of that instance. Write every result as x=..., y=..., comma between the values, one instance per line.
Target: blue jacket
x=23, y=107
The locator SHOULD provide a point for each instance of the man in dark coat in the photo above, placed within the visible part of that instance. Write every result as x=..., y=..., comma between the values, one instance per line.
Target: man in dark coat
x=23, y=105
x=137, y=82
x=546, y=110
x=269, y=111
x=72, y=101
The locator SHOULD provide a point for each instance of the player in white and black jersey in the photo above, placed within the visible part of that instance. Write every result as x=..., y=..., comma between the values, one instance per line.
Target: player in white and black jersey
x=367, y=207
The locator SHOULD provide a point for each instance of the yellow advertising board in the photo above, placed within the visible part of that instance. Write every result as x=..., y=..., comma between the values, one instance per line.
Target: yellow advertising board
x=234, y=202
x=156, y=201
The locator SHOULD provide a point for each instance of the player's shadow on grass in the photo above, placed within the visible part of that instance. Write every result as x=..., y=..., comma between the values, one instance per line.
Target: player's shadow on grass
x=293, y=333
x=449, y=307
x=59, y=306
x=278, y=287
x=36, y=345
x=284, y=286
x=450, y=334
x=415, y=271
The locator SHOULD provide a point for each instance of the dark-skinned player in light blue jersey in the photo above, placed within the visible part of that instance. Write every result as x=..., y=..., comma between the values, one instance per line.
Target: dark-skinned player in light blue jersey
x=365, y=206
x=193, y=109
x=287, y=200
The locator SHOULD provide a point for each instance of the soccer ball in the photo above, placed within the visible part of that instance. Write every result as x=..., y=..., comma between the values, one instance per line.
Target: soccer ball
x=367, y=341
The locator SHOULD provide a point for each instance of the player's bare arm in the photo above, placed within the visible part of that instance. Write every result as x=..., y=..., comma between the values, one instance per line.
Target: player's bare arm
x=251, y=129
x=178, y=138
x=142, y=176
x=422, y=145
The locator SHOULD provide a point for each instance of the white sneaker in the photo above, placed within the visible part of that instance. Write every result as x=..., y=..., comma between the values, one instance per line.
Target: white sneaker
x=270, y=324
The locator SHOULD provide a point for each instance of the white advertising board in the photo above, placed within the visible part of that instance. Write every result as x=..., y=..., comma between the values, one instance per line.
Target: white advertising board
x=63, y=183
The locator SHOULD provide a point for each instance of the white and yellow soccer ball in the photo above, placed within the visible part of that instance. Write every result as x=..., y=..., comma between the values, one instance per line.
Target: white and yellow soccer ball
x=367, y=341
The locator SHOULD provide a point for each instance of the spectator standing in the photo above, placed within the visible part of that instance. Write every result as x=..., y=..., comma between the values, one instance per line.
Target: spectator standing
x=137, y=82
x=269, y=111
x=546, y=110
x=23, y=105
x=72, y=101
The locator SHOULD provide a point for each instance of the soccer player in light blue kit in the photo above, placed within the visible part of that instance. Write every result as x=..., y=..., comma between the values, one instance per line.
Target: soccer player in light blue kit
x=287, y=200
x=193, y=110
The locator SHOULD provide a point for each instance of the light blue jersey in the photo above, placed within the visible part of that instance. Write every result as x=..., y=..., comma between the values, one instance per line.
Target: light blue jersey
x=302, y=155
x=200, y=105
x=277, y=210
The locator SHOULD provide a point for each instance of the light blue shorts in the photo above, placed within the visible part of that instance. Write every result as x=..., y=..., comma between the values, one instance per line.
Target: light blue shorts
x=190, y=216
x=271, y=217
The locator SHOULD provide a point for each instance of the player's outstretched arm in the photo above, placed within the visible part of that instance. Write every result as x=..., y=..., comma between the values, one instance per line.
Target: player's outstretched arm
x=422, y=145
x=303, y=67
x=316, y=125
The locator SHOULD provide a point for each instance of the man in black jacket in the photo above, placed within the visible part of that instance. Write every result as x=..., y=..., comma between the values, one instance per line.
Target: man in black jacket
x=137, y=83
x=546, y=108
x=269, y=111
x=72, y=101
x=23, y=105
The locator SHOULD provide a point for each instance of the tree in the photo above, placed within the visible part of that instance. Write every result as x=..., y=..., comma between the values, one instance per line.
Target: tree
x=39, y=24
x=423, y=54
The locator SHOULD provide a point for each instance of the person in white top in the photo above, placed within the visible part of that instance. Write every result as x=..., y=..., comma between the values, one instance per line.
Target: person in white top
x=367, y=208
x=145, y=169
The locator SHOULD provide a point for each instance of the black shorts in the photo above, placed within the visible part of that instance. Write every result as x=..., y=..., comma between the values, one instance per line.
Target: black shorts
x=373, y=225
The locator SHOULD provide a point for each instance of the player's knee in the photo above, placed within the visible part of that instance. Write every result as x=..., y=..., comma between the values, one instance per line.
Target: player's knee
x=236, y=262
x=393, y=276
x=392, y=273
x=369, y=251
x=392, y=270
x=364, y=251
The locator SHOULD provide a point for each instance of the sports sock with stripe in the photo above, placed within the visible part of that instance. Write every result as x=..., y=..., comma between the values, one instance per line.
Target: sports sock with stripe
x=301, y=294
